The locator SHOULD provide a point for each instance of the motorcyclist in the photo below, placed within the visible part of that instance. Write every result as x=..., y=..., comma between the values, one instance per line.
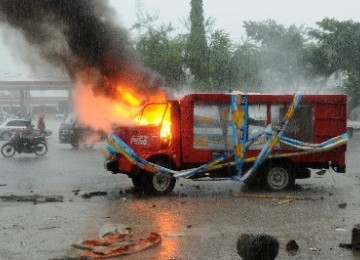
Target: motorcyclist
x=41, y=125
x=23, y=137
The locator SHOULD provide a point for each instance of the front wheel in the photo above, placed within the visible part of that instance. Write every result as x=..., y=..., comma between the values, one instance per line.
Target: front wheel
x=40, y=149
x=8, y=150
x=158, y=183
x=278, y=177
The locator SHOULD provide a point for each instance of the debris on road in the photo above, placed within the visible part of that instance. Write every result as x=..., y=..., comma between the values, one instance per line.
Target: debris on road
x=282, y=202
x=342, y=205
x=116, y=245
x=355, y=239
x=270, y=196
x=33, y=198
x=256, y=246
x=88, y=195
x=291, y=245
x=112, y=229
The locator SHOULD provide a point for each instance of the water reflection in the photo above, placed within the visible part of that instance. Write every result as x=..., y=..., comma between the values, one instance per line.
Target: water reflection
x=159, y=216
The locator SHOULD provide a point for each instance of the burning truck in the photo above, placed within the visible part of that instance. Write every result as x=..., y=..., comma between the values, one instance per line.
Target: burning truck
x=253, y=138
x=263, y=139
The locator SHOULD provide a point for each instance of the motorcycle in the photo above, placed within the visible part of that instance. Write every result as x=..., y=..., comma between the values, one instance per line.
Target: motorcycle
x=35, y=144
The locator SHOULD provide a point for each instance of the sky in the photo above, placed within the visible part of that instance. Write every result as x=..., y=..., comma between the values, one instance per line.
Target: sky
x=229, y=16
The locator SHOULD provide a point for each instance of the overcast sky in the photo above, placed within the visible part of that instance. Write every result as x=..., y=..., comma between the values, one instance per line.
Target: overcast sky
x=229, y=15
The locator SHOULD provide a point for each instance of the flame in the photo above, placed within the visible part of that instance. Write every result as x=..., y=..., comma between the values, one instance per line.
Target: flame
x=129, y=97
x=122, y=108
x=157, y=114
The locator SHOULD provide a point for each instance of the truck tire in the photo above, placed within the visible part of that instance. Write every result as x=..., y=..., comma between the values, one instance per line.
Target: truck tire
x=158, y=183
x=278, y=177
x=350, y=131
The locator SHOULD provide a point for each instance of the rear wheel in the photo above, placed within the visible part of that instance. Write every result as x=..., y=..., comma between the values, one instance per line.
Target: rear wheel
x=8, y=150
x=158, y=183
x=278, y=177
x=40, y=149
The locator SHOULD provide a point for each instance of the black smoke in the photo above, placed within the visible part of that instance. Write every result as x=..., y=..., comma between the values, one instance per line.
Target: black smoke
x=82, y=38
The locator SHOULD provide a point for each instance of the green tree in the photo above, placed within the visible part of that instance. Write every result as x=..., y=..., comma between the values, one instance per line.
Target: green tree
x=339, y=48
x=245, y=67
x=163, y=54
x=282, y=51
x=196, y=45
x=219, y=62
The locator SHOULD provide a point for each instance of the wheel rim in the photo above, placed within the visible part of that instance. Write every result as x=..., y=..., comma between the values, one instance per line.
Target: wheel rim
x=161, y=181
x=40, y=149
x=8, y=150
x=278, y=178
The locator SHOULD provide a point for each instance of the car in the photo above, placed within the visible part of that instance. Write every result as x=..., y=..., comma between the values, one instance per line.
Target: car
x=72, y=132
x=353, y=126
x=9, y=126
x=59, y=115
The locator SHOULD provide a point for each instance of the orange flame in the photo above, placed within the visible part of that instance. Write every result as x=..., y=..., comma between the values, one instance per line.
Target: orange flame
x=103, y=112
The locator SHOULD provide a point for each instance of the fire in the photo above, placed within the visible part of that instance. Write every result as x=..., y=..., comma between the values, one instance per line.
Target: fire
x=157, y=114
x=123, y=108
x=129, y=97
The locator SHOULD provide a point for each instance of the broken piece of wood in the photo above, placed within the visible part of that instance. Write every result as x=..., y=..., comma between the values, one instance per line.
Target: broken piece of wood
x=33, y=198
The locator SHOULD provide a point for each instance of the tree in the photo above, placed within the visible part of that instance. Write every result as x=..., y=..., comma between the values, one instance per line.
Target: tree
x=219, y=62
x=282, y=50
x=163, y=54
x=245, y=67
x=339, y=47
x=196, y=45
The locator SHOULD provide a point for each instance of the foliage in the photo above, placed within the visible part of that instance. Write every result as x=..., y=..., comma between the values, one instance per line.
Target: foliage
x=219, y=66
x=245, y=67
x=283, y=53
x=196, y=45
x=339, y=49
x=163, y=54
x=353, y=90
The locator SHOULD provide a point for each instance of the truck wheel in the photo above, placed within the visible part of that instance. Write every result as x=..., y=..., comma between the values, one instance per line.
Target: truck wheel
x=158, y=183
x=350, y=131
x=278, y=177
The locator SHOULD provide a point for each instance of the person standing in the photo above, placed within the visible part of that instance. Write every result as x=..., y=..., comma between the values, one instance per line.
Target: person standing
x=41, y=125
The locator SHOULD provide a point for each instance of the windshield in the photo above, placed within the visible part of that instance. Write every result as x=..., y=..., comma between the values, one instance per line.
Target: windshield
x=152, y=114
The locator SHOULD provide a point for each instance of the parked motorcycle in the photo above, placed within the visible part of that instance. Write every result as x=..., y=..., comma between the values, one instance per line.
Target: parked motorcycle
x=36, y=144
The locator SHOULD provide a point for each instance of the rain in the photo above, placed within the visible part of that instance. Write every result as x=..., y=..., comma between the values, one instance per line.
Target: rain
x=141, y=130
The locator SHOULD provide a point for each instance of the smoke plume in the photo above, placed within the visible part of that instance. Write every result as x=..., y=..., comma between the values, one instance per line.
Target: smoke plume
x=82, y=38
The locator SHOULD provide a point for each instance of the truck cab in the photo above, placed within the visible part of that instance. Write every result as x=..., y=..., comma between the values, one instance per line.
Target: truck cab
x=189, y=132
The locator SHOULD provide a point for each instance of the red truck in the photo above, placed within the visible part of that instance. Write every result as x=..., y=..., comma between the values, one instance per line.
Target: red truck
x=186, y=133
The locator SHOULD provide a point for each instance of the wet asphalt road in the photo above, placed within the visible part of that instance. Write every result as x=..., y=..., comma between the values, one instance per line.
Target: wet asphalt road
x=201, y=220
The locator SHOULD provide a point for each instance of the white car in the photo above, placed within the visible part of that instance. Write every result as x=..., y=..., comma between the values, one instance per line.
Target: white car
x=353, y=126
x=8, y=127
